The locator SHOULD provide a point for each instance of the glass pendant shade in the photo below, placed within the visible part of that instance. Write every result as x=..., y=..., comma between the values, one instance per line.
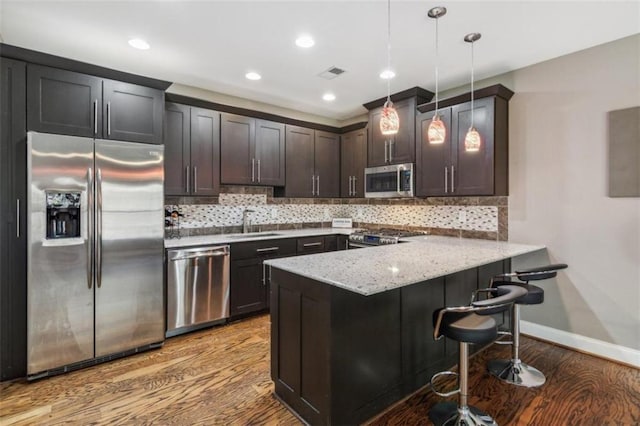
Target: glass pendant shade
x=472, y=140
x=437, y=131
x=389, y=121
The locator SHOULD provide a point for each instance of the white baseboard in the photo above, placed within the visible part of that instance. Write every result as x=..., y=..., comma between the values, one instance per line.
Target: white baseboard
x=582, y=343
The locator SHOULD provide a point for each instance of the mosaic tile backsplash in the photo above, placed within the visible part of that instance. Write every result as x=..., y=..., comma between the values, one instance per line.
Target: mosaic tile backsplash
x=481, y=221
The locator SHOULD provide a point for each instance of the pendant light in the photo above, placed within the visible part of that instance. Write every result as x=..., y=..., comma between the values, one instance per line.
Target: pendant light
x=437, y=131
x=472, y=140
x=389, y=121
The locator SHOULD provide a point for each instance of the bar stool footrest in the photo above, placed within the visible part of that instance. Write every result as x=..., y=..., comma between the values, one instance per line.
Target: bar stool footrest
x=436, y=376
x=516, y=372
x=449, y=414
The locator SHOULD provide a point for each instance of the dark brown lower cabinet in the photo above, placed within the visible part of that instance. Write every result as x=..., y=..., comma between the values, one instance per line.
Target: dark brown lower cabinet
x=248, y=289
x=338, y=357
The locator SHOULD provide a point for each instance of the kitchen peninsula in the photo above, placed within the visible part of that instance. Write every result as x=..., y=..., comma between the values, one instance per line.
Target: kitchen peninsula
x=351, y=332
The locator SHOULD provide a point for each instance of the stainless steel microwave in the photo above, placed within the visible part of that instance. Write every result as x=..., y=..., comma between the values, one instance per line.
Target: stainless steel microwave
x=396, y=180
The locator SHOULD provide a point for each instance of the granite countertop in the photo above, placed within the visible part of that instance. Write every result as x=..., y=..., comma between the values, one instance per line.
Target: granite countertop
x=202, y=240
x=377, y=269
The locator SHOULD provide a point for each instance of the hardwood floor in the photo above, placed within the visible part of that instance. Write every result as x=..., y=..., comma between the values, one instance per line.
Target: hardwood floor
x=220, y=376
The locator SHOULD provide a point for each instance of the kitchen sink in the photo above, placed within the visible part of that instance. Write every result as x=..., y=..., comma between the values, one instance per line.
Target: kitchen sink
x=254, y=234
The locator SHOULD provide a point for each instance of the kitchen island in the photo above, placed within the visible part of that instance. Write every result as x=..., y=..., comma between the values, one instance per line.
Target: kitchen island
x=351, y=332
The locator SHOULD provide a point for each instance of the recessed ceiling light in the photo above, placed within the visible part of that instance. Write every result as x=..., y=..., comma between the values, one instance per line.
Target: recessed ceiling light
x=305, y=41
x=329, y=97
x=253, y=76
x=139, y=43
x=387, y=74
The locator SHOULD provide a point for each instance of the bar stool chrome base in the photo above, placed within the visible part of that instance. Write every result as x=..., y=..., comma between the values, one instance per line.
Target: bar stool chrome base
x=449, y=414
x=516, y=372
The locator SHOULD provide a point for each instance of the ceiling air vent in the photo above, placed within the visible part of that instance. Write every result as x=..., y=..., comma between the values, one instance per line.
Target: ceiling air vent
x=331, y=73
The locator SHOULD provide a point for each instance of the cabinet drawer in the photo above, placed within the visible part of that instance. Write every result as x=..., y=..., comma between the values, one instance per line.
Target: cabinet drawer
x=309, y=245
x=268, y=248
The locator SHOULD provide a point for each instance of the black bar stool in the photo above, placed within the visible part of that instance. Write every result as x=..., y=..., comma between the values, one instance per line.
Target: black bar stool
x=513, y=370
x=468, y=324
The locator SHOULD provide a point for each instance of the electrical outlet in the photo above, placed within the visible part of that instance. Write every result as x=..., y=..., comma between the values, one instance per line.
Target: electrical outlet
x=274, y=213
x=359, y=213
x=327, y=215
x=462, y=216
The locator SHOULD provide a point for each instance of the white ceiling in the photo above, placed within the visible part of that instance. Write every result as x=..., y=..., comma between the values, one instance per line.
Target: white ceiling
x=212, y=44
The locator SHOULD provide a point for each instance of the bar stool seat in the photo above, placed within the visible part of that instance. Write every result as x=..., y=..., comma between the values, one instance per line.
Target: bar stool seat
x=534, y=296
x=471, y=328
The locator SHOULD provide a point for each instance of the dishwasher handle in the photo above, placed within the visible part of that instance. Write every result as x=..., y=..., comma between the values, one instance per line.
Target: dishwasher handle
x=201, y=255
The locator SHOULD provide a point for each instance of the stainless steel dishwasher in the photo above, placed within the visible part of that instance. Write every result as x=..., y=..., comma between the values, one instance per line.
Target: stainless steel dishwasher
x=197, y=288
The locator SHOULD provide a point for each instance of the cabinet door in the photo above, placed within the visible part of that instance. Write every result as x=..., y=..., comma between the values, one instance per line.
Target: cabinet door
x=63, y=102
x=353, y=161
x=177, y=154
x=376, y=141
x=269, y=153
x=132, y=113
x=238, y=134
x=327, y=164
x=433, y=160
x=13, y=220
x=402, y=148
x=299, y=162
x=474, y=171
x=248, y=292
x=205, y=152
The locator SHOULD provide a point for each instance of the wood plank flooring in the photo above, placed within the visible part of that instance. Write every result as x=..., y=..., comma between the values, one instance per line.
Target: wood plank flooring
x=220, y=376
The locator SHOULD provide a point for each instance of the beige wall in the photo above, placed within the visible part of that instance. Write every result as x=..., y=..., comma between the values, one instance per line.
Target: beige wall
x=558, y=186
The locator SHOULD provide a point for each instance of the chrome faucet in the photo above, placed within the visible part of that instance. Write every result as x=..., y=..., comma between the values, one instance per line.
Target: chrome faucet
x=246, y=222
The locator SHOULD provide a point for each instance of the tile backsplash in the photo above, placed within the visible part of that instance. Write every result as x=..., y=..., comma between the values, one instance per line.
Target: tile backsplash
x=475, y=217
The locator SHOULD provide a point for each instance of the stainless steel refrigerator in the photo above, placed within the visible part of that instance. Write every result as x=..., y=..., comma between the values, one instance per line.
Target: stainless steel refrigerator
x=95, y=268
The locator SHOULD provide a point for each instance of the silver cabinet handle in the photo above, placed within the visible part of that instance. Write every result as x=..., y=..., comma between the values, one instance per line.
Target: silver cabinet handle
x=90, y=241
x=99, y=228
x=313, y=184
x=398, y=180
x=453, y=176
x=264, y=274
x=195, y=179
x=355, y=188
x=391, y=144
x=253, y=169
x=95, y=117
x=186, y=177
x=258, y=170
x=350, y=185
x=318, y=185
x=267, y=249
x=312, y=244
x=446, y=179
x=386, y=143
x=108, y=118
x=17, y=217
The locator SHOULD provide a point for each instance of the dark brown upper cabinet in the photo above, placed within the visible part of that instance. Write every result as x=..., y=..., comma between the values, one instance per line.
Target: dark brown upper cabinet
x=312, y=163
x=353, y=162
x=398, y=148
x=76, y=104
x=192, y=150
x=448, y=169
x=253, y=151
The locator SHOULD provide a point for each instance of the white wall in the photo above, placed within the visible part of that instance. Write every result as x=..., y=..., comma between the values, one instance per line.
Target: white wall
x=558, y=190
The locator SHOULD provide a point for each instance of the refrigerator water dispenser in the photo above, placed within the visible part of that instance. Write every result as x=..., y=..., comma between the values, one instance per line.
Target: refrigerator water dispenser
x=63, y=215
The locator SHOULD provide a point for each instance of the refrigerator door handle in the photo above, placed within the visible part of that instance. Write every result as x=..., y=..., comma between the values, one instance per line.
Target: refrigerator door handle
x=98, y=228
x=90, y=227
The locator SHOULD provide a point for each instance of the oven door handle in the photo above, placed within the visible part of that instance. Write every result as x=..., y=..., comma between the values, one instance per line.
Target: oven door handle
x=356, y=245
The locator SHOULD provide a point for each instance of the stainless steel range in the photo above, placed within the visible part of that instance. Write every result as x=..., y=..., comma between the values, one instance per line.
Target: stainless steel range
x=379, y=237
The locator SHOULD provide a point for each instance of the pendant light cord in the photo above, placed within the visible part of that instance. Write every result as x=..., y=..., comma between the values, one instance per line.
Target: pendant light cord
x=437, y=63
x=472, y=78
x=389, y=49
